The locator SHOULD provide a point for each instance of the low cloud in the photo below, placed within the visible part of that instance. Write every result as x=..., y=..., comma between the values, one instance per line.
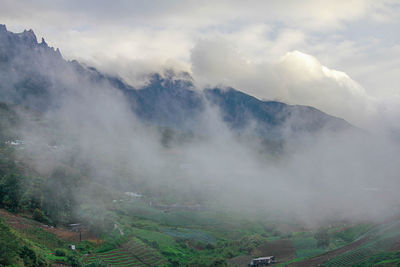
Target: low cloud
x=344, y=175
x=296, y=78
x=316, y=177
x=131, y=38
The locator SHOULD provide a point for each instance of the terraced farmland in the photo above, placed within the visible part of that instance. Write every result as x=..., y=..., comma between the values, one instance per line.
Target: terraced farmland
x=380, y=240
x=147, y=255
x=323, y=258
x=116, y=257
x=134, y=253
x=356, y=256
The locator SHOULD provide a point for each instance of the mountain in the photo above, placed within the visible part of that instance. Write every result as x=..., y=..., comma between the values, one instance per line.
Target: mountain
x=76, y=173
x=36, y=75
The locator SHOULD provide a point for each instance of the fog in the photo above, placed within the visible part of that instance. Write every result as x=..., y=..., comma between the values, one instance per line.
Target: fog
x=315, y=177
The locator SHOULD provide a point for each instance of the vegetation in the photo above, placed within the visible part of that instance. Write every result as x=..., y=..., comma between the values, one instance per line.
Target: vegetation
x=130, y=231
x=322, y=237
x=14, y=249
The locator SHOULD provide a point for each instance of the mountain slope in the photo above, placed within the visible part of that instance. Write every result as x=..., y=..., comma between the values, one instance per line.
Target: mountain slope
x=36, y=75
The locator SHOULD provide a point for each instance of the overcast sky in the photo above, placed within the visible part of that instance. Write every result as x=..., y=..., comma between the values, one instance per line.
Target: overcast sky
x=342, y=57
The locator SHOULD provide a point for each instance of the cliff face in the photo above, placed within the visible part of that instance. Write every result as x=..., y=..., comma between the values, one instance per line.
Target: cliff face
x=25, y=45
x=27, y=68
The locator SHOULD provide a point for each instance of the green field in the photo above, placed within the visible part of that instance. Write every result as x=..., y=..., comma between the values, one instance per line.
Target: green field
x=133, y=253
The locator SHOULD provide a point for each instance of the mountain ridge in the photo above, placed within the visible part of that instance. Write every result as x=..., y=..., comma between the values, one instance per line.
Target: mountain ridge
x=39, y=79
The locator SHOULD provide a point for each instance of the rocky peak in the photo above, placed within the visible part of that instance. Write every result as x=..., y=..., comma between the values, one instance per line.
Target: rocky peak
x=43, y=43
x=3, y=28
x=24, y=42
x=28, y=37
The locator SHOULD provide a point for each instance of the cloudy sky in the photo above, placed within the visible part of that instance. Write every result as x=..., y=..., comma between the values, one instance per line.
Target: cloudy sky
x=342, y=57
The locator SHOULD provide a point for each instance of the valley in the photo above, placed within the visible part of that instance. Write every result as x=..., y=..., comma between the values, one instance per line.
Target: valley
x=96, y=172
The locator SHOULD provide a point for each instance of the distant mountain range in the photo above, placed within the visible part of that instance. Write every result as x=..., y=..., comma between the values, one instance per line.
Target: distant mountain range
x=36, y=75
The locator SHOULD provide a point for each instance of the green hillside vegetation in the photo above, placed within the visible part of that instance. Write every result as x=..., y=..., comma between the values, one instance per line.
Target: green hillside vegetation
x=17, y=250
x=150, y=230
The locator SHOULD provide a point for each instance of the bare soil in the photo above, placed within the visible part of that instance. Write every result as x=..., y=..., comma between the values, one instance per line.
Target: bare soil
x=242, y=260
x=283, y=250
x=20, y=223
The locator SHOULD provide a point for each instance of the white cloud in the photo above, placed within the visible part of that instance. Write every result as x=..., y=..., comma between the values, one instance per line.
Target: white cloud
x=297, y=78
x=253, y=46
x=133, y=37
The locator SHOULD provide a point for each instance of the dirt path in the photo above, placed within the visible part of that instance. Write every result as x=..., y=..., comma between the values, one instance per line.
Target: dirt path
x=320, y=259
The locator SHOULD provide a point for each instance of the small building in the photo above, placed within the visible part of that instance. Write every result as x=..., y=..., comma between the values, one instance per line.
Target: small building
x=262, y=261
x=75, y=227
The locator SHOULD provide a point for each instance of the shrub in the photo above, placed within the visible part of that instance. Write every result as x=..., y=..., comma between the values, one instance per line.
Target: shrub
x=38, y=215
x=210, y=246
x=29, y=256
x=219, y=263
x=60, y=253
x=73, y=261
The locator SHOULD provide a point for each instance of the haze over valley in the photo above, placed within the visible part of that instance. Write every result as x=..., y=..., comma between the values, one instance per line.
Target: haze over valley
x=152, y=137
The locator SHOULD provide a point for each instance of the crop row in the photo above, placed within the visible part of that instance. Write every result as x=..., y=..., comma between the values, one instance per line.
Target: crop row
x=349, y=258
x=132, y=254
x=116, y=257
x=144, y=253
x=109, y=252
